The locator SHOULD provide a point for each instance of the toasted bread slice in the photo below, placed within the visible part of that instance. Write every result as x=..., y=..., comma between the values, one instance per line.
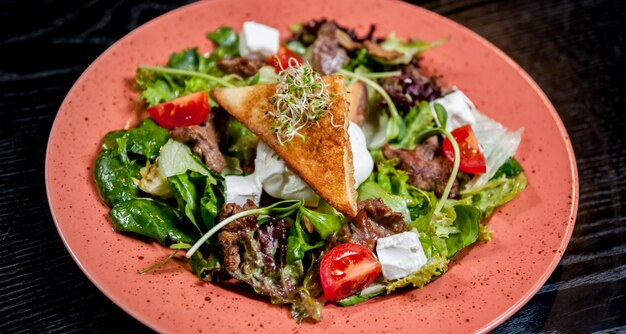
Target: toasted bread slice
x=323, y=160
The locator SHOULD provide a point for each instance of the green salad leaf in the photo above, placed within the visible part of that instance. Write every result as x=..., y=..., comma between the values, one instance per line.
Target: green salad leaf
x=176, y=158
x=149, y=218
x=115, y=171
x=409, y=49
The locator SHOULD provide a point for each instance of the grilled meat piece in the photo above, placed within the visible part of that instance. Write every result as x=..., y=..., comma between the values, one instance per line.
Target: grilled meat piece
x=243, y=67
x=203, y=141
x=373, y=221
x=231, y=235
x=427, y=167
x=328, y=55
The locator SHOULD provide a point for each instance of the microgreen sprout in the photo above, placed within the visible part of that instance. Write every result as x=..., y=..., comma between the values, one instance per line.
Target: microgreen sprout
x=301, y=100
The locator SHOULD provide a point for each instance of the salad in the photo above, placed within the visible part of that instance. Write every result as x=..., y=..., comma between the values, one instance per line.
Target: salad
x=427, y=169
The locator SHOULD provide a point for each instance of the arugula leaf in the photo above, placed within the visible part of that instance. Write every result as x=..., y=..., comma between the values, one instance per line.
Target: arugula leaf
x=188, y=71
x=149, y=218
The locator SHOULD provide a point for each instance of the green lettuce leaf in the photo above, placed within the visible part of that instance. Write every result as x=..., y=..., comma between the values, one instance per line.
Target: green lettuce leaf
x=325, y=224
x=409, y=49
x=241, y=144
x=435, y=267
x=467, y=222
x=417, y=121
x=176, y=158
x=496, y=192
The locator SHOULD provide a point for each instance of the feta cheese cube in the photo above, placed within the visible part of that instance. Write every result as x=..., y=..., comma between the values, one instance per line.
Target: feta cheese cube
x=258, y=41
x=400, y=255
x=460, y=110
x=238, y=189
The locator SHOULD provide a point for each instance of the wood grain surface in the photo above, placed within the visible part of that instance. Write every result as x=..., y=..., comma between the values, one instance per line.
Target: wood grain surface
x=575, y=51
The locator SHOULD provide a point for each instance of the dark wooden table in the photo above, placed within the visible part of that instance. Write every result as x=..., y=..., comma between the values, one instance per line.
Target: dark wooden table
x=574, y=50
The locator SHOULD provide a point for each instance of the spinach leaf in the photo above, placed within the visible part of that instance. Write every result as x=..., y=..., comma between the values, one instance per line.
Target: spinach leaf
x=147, y=139
x=115, y=172
x=225, y=39
x=149, y=218
x=210, y=202
x=114, y=177
x=510, y=169
x=186, y=196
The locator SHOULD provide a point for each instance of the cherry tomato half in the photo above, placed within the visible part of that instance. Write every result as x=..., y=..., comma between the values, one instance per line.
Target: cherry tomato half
x=191, y=109
x=472, y=159
x=347, y=269
x=283, y=56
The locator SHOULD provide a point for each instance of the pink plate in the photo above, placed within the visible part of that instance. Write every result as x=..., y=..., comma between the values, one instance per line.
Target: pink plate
x=485, y=284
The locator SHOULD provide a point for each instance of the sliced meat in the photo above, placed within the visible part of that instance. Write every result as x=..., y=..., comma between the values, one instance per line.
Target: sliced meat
x=346, y=41
x=411, y=87
x=373, y=221
x=203, y=141
x=243, y=67
x=232, y=234
x=428, y=169
x=357, y=100
x=328, y=55
x=377, y=51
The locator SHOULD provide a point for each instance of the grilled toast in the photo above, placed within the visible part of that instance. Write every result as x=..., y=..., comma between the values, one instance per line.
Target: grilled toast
x=323, y=160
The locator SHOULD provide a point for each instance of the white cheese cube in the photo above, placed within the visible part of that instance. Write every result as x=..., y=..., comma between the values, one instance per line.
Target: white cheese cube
x=258, y=41
x=238, y=189
x=400, y=255
x=459, y=107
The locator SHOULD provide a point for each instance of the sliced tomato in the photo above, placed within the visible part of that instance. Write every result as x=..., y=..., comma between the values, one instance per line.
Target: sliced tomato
x=280, y=61
x=191, y=109
x=347, y=269
x=472, y=159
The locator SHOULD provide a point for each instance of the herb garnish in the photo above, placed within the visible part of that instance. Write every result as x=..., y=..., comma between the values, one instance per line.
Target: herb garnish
x=301, y=99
